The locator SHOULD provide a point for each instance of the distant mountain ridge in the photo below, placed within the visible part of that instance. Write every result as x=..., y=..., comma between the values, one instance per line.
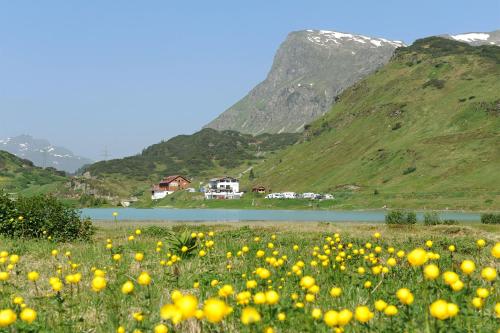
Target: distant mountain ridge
x=477, y=38
x=43, y=154
x=310, y=69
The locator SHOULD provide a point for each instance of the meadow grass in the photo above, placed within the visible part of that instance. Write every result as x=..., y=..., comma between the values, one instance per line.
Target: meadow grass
x=297, y=250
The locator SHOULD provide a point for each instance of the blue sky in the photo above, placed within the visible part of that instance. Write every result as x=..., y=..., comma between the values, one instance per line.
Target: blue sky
x=127, y=74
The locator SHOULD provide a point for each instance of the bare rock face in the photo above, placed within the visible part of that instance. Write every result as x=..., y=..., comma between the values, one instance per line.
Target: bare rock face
x=310, y=69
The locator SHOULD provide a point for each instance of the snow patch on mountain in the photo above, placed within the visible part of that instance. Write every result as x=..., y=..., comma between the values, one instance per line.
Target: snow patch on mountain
x=327, y=38
x=471, y=37
x=42, y=153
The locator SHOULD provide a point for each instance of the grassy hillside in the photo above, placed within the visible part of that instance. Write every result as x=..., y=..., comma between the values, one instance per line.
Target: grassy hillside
x=423, y=131
x=200, y=155
x=21, y=176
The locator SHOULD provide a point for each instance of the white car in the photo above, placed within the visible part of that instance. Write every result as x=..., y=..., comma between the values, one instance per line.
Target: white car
x=309, y=195
x=289, y=195
x=275, y=196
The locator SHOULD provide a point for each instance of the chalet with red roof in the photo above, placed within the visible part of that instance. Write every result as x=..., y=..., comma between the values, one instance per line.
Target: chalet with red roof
x=169, y=185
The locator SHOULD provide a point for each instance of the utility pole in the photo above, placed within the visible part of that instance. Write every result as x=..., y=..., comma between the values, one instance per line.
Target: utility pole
x=44, y=162
x=105, y=153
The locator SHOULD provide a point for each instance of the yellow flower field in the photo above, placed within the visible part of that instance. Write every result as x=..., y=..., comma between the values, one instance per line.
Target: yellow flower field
x=199, y=278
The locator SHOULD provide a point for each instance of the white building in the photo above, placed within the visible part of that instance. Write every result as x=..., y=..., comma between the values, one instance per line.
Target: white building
x=223, y=188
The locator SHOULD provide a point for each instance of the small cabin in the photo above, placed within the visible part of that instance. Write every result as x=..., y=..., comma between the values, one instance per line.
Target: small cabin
x=259, y=189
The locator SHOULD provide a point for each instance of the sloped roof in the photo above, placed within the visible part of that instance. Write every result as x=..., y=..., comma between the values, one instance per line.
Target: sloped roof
x=170, y=179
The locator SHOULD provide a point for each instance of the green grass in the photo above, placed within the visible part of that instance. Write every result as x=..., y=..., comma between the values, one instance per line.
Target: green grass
x=448, y=137
x=22, y=177
x=78, y=308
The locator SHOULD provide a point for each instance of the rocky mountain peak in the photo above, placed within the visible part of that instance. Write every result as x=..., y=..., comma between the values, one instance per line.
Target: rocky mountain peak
x=310, y=68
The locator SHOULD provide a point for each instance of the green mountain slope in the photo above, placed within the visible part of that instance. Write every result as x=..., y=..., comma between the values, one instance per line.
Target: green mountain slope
x=200, y=155
x=423, y=131
x=21, y=176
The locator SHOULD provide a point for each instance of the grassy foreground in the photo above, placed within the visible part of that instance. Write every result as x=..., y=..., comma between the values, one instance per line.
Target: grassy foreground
x=231, y=270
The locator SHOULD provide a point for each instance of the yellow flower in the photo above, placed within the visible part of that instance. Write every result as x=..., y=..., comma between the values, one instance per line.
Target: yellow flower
x=98, y=283
x=468, y=267
x=171, y=312
x=431, y=272
x=144, y=279
x=18, y=300
x=489, y=273
x=480, y=243
x=452, y=310
x=263, y=273
x=405, y=296
x=187, y=305
x=335, y=291
x=282, y=316
x=138, y=316
x=495, y=250
x=226, y=290
x=215, y=310
x=482, y=292
x=428, y=243
x=14, y=259
x=450, y=277
x=439, y=309
x=497, y=309
x=452, y=248
x=259, y=298
x=391, y=262
x=363, y=314
x=7, y=317
x=161, y=328
x=28, y=315
x=316, y=313
x=380, y=305
x=344, y=317
x=417, y=257
x=251, y=284
x=138, y=231
x=139, y=256
x=272, y=297
x=33, y=276
x=250, y=315
x=331, y=318
x=457, y=285
x=214, y=282
x=4, y=276
x=477, y=302
x=99, y=272
x=128, y=287
x=307, y=282
x=120, y=329
x=391, y=310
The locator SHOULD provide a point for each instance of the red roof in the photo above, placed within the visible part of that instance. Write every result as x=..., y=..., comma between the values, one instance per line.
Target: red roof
x=170, y=179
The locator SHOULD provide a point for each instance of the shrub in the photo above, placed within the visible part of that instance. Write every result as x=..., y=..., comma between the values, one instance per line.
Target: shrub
x=438, y=84
x=396, y=126
x=409, y=170
x=400, y=217
x=490, y=218
x=42, y=216
x=432, y=218
x=450, y=222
